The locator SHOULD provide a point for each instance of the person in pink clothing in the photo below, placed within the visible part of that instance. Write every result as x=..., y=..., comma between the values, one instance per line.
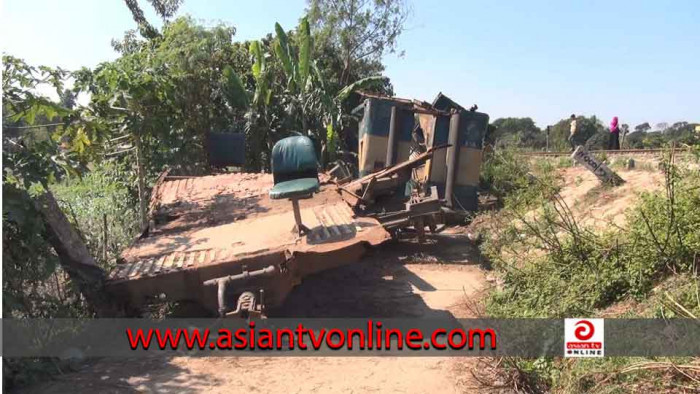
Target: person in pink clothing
x=614, y=141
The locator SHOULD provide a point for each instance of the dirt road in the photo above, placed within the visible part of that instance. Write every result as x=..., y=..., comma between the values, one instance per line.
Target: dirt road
x=397, y=280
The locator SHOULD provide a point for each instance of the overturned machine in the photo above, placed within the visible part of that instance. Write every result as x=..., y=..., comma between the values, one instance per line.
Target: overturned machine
x=238, y=243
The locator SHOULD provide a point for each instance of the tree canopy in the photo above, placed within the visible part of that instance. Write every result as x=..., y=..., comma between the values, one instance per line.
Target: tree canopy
x=360, y=32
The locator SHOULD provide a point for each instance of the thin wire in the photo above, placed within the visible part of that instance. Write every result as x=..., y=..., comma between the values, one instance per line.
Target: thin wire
x=33, y=126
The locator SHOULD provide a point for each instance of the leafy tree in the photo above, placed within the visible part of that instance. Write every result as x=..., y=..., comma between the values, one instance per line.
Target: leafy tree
x=643, y=127
x=625, y=128
x=635, y=140
x=67, y=99
x=164, y=8
x=654, y=139
x=310, y=105
x=169, y=91
x=678, y=132
x=520, y=132
x=661, y=126
x=586, y=128
x=361, y=31
x=682, y=132
x=36, y=235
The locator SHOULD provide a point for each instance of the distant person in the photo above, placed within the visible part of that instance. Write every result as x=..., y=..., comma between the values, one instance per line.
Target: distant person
x=573, y=128
x=614, y=141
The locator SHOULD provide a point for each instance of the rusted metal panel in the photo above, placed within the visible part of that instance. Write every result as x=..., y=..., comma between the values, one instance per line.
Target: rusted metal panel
x=374, y=133
x=208, y=227
x=452, y=159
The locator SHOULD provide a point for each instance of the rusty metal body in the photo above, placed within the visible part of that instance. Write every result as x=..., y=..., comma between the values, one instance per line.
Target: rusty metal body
x=393, y=130
x=225, y=225
x=221, y=242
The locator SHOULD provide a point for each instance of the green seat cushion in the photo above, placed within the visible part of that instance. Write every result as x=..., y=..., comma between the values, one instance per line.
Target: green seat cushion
x=293, y=155
x=294, y=188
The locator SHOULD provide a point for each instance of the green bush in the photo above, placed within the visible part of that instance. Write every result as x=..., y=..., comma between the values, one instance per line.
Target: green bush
x=553, y=267
x=104, y=191
x=34, y=284
x=503, y=173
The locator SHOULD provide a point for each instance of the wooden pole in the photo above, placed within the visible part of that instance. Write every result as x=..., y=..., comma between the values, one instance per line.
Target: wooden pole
x=73, y=254
x=104, y=237
x=141, y=171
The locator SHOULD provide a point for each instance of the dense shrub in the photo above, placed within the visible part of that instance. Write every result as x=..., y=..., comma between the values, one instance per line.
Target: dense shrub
x=107, y=190
x=34, y=283
x=553, y=267
x=503, y=173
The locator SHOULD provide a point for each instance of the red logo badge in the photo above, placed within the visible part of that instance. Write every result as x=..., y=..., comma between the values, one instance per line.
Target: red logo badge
x=583, y=337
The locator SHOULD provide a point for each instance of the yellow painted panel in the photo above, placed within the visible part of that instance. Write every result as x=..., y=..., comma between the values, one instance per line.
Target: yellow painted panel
x=468, y=167
x=372, y=153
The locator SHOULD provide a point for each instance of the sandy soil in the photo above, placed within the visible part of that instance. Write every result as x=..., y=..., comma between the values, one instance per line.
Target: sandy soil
x=600, y=206
x=399, y=279
x=402, y=279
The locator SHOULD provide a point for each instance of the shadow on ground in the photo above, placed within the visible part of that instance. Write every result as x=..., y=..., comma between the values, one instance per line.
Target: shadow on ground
x=380, y=285
x=399, y=279
x=128, y=375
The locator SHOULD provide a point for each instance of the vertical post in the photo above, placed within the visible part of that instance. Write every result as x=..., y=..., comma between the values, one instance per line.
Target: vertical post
x=297, y=212
x=391, y=148
x=104, y=237
x=363, y=133
x=547, y=148
x=452, y=158
x=73, y=255
x=141, y=171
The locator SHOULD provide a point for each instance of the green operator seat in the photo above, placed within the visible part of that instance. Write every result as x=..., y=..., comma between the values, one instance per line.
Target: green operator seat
x=295, y=173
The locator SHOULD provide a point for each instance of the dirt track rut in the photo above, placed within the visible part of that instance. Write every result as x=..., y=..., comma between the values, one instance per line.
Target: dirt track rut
x=397, y=280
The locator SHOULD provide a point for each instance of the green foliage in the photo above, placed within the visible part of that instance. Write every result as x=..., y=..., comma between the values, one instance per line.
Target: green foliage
x=20, y=100
x=105, y=191
x=504, y=173
x=164, y=8
x=360, y=32
x=643, y=128
x=587, y=127
x=517, y=132
x=552, y=267
x=283, y=53
x=599, y=375
x=33, y=284
x=522, y=133
x=682, y=133
x=234, y=91
x=362, y=84
x=171, y=91
x=309, y=103
x=304, y=37
x=263, y=91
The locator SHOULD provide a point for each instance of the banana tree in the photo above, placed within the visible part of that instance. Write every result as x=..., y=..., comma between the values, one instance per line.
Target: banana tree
x=255, y=104
x=336, y=116
x=296, y=64
x=310, y=95
x=310, y=106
